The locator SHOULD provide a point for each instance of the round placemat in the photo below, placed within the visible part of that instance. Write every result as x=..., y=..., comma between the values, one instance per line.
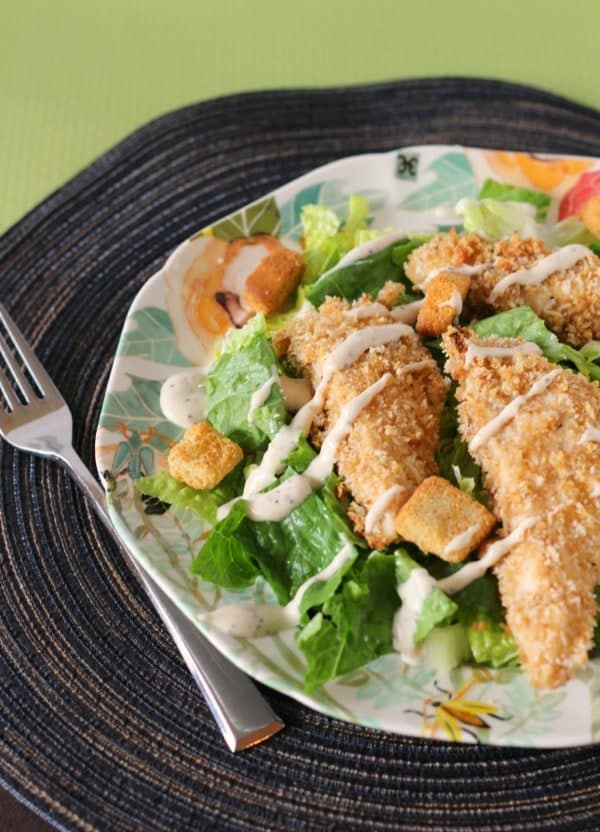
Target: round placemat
x=102, y=727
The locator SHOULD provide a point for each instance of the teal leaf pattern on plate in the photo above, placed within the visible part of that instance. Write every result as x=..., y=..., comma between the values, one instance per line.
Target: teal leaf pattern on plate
x=261, y=217
x=453, y=180
x=137, y=410
x=153, y=338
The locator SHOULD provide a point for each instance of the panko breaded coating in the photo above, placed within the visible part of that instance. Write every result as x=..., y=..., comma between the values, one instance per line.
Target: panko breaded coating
x=203, y=457
x=568, y=300
x=533, y=428
x=391, y=446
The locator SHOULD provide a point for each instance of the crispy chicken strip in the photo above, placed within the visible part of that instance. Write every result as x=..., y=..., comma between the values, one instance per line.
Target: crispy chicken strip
x=535, y=430
x=391, y=446
x=568, y=299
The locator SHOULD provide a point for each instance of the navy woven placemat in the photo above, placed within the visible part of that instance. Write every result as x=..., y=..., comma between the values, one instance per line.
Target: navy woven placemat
x=101, y=727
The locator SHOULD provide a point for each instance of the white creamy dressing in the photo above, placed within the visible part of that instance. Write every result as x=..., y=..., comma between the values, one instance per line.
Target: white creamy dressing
x=471, y=571
x=183, y=398
x=595, y=492
x=243, y=264
x=590, y=434
x=367, y=310
x=560, y=260
x=247, y=620
x=368, y=249
x=478, y=351
x=460, y=541
x=408, y=313
x=377, y=513
x=455, y=301
x=510, y=411
x=276, y=504
x=413, y=592
x=260, y=396
x=344, y=354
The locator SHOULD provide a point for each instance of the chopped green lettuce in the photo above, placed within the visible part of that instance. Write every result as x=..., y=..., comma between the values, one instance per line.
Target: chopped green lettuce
x=367, y=275
x=491, y=642
x=455, y=463
x=319, y=224
x=446, y=647
x=492, y=189
x=326, y=239
x=355, y=625
x=495, y=219
x=167, y=489
x=246, y=363
x=437, y=608
x=523, y=322
x=287, y=553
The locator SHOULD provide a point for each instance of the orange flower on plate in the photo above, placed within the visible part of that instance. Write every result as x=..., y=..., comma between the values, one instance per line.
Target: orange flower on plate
x=546, y=173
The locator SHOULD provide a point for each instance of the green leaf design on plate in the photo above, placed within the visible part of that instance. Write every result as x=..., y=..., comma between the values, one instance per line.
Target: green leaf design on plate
x=454, y=179
x=261, y=217
x=138, y=410
x=153, y=339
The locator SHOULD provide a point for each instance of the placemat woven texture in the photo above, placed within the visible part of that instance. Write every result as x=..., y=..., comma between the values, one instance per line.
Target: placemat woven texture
x=101, y=727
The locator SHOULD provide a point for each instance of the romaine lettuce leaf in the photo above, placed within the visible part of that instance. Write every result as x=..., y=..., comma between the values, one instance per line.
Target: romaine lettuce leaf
x=246, y=363
x=495, y=219
x=437, y=608
x=354, y=625
x=523, y=322
x=492, y=189
x=326, y=239
x=227, y=557
x=287, y=553
x=166, y=488
x=491, y=642
x=455, y=463
x=367, y=275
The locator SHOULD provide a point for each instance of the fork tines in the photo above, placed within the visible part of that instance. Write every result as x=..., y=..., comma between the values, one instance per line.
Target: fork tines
x=14, y=382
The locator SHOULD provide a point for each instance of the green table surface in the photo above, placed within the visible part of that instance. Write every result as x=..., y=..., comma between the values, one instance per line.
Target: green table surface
x=75, y=77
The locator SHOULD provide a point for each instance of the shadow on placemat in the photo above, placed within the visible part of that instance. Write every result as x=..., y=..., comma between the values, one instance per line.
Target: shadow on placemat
x=101, y=726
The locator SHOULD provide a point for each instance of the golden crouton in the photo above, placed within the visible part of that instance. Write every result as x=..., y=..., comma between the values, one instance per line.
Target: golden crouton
x=590, y=215
x=443, y=520
x=443, y=302
x=273, y=281
x=203, y=457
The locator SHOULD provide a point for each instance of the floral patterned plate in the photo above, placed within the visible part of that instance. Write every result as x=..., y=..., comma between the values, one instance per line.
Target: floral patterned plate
x=174, y=324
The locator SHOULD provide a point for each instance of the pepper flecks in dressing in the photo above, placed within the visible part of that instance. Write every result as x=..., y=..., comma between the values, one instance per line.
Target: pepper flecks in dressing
x=247, y=620
x=183, y=398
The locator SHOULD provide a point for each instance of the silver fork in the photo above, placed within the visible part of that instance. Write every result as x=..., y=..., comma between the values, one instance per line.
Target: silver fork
x=39, y=421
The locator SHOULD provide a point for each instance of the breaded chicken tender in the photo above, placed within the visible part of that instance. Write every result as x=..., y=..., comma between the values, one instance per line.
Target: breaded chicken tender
x=535, y=430
x=568, y=299
x=391, y=446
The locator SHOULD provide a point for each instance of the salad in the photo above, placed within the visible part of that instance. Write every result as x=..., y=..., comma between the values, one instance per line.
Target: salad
x=376, y=439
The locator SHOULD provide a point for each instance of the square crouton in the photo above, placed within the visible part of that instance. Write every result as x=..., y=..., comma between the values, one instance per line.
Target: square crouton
x=203, y=457
x=273, y=281
x=443, y=302
x=443, y=520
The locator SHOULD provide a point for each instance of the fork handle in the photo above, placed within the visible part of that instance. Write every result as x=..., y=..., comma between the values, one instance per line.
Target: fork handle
x=242, y=714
